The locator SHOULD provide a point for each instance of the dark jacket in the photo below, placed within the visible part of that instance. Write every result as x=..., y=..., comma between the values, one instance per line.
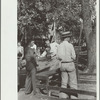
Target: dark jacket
x=30, y=57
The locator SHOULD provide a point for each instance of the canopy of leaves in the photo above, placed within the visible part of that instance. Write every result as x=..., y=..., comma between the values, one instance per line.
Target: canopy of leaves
x=35, y=15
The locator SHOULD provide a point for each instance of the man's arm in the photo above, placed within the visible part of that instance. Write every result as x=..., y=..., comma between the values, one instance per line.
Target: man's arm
x=60, y=52
x=43, y=54
x=22, y=50
x=73, y=55
x=33, y=56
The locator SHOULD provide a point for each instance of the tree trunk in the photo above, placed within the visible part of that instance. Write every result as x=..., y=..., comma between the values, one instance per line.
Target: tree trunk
x=90, y=35
x=91, y=52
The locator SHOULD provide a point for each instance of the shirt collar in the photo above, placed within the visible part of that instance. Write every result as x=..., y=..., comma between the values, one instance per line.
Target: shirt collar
x=65, y=41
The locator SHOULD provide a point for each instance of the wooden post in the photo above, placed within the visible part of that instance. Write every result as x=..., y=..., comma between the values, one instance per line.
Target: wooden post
x=54, y=30
x=47, y=84
x=79, y=48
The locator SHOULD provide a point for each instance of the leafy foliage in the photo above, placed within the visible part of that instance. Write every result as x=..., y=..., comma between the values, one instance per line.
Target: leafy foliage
x=35, y=15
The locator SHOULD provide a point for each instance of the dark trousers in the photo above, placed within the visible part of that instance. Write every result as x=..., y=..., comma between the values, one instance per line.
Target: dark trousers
x=30, y=83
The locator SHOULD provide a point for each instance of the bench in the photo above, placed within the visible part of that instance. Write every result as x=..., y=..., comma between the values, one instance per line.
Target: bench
x=42, y=97
x=46, y=76
x=68, y=91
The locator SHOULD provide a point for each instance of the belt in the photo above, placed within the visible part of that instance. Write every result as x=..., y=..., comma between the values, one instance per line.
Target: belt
x=67, y=61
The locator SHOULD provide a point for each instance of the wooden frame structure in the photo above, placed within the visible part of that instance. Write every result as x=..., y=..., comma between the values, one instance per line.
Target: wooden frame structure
x=46, y=76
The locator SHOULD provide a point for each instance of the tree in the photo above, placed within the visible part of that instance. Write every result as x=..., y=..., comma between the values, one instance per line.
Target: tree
x=31, y=21
x=32, y=16
x=90, y=35
x=35, y=15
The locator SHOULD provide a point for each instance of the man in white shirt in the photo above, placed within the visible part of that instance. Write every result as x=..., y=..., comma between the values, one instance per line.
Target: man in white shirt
x=51, y=51
x=54, y=47
x=20, y=51
x=20, y=54
x=47, y=49
x=66, y=54
x=33, y=45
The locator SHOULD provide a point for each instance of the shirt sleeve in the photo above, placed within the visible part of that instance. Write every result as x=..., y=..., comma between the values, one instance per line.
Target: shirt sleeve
x=35, y=47
x=73, y=55
x=22, y=50
x=43, y=54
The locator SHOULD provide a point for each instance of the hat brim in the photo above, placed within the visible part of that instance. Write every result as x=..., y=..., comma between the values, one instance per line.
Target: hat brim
x=66, y=35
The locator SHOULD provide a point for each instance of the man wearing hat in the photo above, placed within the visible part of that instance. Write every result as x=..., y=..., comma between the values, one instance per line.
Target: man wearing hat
x=31, y=64
x=66, y=54
x=33, y=45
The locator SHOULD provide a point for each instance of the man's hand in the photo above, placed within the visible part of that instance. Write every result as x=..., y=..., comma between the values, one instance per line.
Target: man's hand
x=59, y=58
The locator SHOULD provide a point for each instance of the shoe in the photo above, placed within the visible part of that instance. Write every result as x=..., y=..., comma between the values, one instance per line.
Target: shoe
x=34, y=92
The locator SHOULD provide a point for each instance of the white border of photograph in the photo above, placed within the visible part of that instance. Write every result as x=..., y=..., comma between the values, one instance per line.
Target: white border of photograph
x=9, y=50
x=98, y=41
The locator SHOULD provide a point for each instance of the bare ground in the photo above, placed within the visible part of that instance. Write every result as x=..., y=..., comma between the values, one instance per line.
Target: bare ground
x=86, y=87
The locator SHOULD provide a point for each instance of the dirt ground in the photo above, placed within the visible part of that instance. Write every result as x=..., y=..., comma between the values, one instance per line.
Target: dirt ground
x=85, y=86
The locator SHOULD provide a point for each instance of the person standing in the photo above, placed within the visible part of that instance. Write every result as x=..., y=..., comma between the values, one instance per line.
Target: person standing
x=20, y=55
x=66, y=54
x=30, y=83
x=46, y=52
x=54, y=47
x=33, y=45
x=20, y=51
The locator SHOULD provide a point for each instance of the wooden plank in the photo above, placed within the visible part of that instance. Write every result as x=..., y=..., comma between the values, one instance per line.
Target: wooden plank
x=52, y=72
x=87, y=78
x=86, y=82
x=53, y=98
x=79, y=82
x=42, y=70
x=41, y=77
x=47, y=73
x=69, y=91
x=87, y=74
